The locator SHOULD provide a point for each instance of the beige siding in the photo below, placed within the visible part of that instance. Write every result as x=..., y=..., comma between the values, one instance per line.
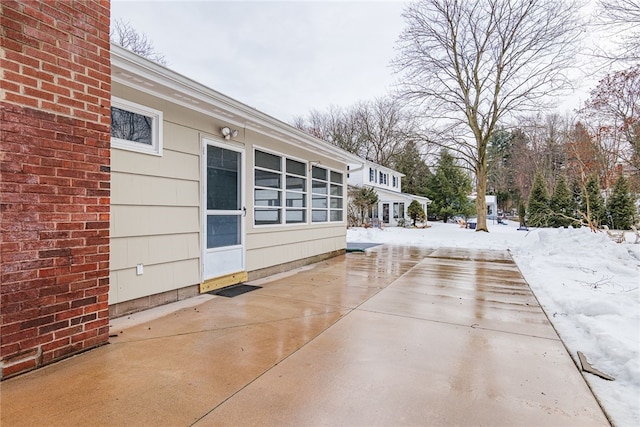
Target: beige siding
x=150, y=250
x=126, y=285
x=156, y=205
x=132, y=221
x=153, y=190
x=172, y=164
x=266, y=249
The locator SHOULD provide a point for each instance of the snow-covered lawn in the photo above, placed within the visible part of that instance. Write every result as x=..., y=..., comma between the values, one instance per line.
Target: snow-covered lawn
x=587, y=284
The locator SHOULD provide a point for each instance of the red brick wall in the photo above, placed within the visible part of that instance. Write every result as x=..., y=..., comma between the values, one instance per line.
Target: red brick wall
x=54, y=180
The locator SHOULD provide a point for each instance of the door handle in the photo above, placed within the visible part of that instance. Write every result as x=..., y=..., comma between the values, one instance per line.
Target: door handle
x=244, y=211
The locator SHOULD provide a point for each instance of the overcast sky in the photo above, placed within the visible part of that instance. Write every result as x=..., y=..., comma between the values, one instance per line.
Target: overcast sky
x=284, y=58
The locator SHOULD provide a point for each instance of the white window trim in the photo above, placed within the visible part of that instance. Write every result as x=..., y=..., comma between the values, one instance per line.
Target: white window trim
x=156, y=128
x=283, y=190
x=329, y=209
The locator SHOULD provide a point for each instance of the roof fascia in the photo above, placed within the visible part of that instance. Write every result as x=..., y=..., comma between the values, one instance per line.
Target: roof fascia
x=137, y=72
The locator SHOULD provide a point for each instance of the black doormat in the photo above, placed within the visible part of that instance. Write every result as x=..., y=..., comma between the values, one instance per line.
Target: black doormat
x=234, y=290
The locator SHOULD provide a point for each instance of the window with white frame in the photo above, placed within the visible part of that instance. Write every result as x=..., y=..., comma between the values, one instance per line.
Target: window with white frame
x=398, y=210
x=395, y=182
x=326, y=195
x=372, y=175
x=136, y=127
x=384, y=178
x=280, y=190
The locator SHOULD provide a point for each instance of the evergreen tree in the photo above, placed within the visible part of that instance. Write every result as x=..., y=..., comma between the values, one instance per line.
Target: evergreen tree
x=561, y=204
x=621, y=206
x=415, y=211
x=363, y=198
x=576, y=195
x=522, y=213
x=592, y=204
x=538, y=209
x=416, y=172
x=449, y=189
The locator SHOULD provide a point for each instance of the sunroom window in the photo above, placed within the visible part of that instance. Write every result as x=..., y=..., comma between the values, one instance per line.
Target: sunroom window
x=280, y=190
x=326, y=195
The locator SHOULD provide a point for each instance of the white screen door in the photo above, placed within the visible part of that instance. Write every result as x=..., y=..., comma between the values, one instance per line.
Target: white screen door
x=224, y=219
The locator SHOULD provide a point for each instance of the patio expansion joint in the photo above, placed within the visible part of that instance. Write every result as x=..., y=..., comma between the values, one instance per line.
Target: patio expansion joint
x=225, y=328
x=348, y=312
x=240, y=389
x=464, y=325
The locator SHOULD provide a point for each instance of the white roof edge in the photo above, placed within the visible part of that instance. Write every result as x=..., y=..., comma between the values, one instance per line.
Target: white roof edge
x=398, y=193
x=135, y=64
x=378, y=166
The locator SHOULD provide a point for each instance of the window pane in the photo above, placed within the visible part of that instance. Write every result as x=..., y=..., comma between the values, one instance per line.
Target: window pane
x=319, y=173
x=319, y=202
x=267, y=216
x=268, y=161
x=223, y=230
x=336, y=215
x=318, y=216
x=296, y=200
x=297, y=168
x=336, y=203
x=295, y=216
x=319, y=187
x=294, y=183
x=336, y=190
x=267, y=197
x=223, y=181
x=131, y=126
x=336, y=177
x=267, y=179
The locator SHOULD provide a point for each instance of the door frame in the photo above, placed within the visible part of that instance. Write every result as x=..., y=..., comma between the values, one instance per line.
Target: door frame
x=233, y=275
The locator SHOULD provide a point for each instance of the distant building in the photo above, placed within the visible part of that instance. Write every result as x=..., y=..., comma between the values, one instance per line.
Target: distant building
x=492, y=205
x=392, y=206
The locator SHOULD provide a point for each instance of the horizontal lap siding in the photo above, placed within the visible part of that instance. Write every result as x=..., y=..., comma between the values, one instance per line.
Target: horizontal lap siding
x=156, y=217
x=267, y=248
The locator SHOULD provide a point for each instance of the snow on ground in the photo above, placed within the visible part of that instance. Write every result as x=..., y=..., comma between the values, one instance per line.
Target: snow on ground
x=587, y=284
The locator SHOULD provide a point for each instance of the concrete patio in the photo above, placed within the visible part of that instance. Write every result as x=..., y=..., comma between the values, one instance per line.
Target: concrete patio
x=393, y=336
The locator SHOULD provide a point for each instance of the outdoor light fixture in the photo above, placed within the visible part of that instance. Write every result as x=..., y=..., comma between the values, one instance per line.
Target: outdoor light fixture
x=228, y=133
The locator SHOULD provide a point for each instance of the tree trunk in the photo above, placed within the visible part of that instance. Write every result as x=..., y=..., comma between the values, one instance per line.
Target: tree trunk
x=481, y=201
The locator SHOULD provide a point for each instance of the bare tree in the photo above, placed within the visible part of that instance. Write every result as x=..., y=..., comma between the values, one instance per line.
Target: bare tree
x=123, y=34
x=622, y=20
x=471, y=64
x=377, y=130
x=386, y=128
x=612, y=115
x=336, y=125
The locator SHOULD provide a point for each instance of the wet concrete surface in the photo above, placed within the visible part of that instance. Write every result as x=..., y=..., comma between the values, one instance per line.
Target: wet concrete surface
x=393, y=336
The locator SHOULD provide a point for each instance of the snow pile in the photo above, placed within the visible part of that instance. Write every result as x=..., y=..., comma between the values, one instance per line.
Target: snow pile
x=589, y=288
x=587, y=284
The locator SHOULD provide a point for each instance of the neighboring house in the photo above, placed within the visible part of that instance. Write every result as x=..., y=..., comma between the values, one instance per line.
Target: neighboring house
x=492, y=205
x=392, y=202
x=208, y=192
